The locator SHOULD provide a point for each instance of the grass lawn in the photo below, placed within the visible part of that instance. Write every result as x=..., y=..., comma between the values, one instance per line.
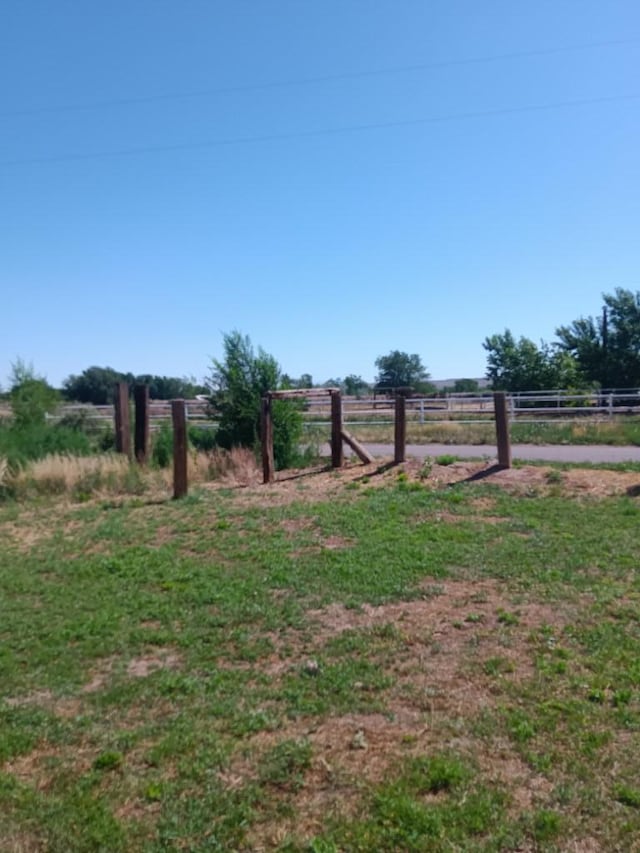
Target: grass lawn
x=352, y=661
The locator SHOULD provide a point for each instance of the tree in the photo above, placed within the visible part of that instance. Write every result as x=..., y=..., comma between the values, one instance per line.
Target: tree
x=94, y=385
x=523, y=366
x=237, y=384
x=31, y=396
x=400, y=370
x=607, y=348
x=170, y=387
x=354, y=385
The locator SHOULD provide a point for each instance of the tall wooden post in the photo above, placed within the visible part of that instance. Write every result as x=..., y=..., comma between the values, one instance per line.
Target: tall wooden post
x=337, y=451
x=141, y=399
x=122, y=420
x=502, y=429
x=180, y=478
x=400, y=429
x=266, y=440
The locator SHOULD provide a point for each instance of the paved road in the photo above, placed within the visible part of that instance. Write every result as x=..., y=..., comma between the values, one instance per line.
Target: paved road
x=537, y=452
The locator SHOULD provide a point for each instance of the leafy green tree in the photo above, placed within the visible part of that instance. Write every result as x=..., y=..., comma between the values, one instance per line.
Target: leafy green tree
x=401, y=370
x=521, y=365
x=237, y=384
x=94, y=385
x=607, y=348
x=31, y=396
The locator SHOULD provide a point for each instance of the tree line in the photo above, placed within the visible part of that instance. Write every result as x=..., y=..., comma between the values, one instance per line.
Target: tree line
x=590, y=352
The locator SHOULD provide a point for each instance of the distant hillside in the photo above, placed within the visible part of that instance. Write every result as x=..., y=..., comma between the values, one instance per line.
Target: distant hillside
x=449, y=383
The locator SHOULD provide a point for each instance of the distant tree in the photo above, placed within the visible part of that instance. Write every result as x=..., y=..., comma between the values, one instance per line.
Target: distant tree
x=31, y=396
x=607, y=348
x=170, y=387
x=521, y=365
x=354, y=385
x=304, y=381
x=333, y=383
x=401, y=370
x=94, y=385
x=237, y=384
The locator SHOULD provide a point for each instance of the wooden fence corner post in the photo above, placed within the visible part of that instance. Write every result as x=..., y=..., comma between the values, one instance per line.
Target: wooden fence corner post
x=337, y=450
x=121, y=419
x=266, y=439
x=400, y=429
x=141, y=399
x=180, y=460
x=502, y=429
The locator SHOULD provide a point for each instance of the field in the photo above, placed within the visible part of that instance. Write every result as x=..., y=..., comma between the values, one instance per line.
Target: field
x=435, y=657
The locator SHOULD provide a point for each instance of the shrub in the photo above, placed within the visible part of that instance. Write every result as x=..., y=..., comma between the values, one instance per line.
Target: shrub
x=237, y=385
x=162, y=446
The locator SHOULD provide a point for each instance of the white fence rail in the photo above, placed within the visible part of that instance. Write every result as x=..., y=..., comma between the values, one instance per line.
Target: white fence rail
x=544, y=406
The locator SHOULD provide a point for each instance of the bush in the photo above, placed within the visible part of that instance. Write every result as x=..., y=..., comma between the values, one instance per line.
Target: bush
x=237, y=384
x=162, y=446
x=20, y=444
x=201, y=438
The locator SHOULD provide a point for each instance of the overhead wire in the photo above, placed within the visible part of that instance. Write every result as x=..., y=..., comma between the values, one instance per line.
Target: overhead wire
x=306, y=81
x=308, y=134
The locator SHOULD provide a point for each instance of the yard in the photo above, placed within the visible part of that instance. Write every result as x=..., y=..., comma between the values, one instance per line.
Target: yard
x=420, y=658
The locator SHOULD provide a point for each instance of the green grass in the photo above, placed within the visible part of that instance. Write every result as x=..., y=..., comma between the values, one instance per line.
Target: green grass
x=387, y=668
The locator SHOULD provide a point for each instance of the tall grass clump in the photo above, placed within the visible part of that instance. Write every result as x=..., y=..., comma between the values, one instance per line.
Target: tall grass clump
x=78, y=477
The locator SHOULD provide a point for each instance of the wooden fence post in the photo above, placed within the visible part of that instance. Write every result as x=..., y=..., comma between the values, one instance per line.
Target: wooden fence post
x=400, y=429
x=266, y=440
x=122, y=420
x=180, y=478
x=337, y=451
x=502, y=429
x=141, y=399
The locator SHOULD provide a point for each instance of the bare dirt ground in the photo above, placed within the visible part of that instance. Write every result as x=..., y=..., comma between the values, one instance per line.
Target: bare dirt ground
x=322, y=482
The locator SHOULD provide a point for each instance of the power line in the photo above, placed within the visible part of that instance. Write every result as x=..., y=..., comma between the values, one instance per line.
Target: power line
x=306, y=81
x=308, y=134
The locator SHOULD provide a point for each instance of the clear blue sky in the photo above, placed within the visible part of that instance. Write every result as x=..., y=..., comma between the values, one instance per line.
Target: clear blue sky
x=174, y=169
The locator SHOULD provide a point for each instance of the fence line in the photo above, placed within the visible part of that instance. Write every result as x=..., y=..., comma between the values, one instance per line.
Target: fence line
x=525, y=407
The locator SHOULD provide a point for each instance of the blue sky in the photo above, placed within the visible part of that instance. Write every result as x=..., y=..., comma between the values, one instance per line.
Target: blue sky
x=335, y=179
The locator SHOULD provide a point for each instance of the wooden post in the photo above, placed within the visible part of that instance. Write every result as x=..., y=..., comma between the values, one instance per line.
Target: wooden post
x=361, y=452
x=180, y=478
x=502, y=429
x=400, y=429
x=141, y=399
x=337, y=452
x=122, y=420
x=266, y=440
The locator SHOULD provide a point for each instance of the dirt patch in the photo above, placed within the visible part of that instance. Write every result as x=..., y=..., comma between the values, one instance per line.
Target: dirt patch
x=42, y=765
x=451, y=655
x=436, y=614
x=321, y=483
x=141, y=667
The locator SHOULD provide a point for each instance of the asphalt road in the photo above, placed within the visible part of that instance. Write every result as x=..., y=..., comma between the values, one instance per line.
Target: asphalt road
x=526, y=452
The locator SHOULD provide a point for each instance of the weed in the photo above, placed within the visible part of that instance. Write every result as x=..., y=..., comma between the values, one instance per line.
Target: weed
x=628, y=796
x=446, y=459
x=108, y=761
x=285, y=764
